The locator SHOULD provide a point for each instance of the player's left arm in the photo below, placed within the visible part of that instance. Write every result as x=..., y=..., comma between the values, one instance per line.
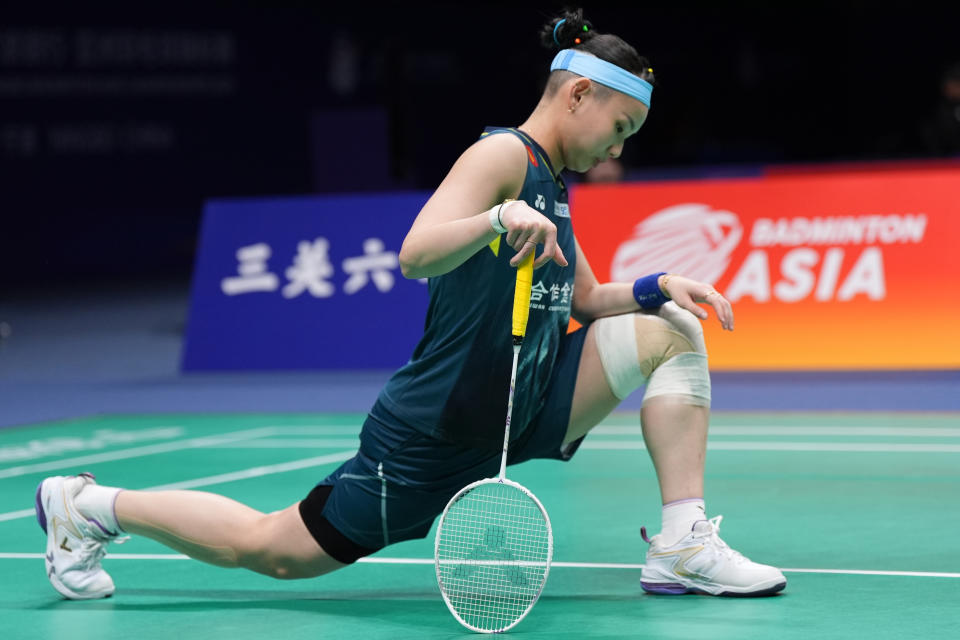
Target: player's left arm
x=593, y=300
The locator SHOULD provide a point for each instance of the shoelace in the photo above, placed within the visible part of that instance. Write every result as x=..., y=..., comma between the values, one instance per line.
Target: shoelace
x=92, y=551
x=714, y=537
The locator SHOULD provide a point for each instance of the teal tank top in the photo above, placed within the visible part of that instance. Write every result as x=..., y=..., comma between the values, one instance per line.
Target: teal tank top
x=456, y=383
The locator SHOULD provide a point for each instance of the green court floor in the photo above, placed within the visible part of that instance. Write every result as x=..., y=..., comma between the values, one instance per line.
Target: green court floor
x=859, y=510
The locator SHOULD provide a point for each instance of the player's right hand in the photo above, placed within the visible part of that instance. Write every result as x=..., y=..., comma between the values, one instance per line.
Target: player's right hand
x=526, y=228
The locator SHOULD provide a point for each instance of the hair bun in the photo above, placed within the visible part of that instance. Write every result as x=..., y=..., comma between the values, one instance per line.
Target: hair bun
x=567, y=30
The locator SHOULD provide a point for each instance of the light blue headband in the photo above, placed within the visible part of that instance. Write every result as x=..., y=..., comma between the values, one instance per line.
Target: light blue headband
x=606, y=73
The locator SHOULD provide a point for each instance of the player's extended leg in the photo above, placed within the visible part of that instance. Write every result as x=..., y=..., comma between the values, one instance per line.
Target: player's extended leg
x=665, y=351
x=81, y=518
x=226, y=533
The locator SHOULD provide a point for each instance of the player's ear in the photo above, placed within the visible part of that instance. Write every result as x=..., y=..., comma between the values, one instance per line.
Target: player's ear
x=579, y=88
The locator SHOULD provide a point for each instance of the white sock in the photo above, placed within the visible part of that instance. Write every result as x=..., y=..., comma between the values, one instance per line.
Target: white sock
x=95, y=502
x=679, y=517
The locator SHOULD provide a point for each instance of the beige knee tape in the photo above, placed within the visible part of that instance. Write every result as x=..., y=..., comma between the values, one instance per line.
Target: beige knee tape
x=632, y=346
x=684, y=322
x=685, y=376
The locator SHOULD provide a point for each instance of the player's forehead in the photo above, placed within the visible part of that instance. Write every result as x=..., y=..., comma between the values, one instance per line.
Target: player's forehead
x=628, y=109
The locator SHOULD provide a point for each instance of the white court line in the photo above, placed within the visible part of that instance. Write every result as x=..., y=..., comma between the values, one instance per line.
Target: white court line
x=617, y=565
x=290, y=443
x=613, y=445
x=907, y=432
x=244, y=474
x=214, y=440
x=136, y=452
x=744, y=445
x=565, y=565
x=721, y=430
x=256, y=472
x=317, y=429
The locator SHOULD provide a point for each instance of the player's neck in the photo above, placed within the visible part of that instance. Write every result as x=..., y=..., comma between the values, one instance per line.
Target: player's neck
x=540, y=127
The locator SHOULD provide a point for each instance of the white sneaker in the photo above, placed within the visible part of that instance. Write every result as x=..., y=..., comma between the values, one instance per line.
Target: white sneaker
x=75, y=545
x=701, y=562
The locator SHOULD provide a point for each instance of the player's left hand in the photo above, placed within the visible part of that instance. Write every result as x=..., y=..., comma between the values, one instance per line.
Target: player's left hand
x=688, y=293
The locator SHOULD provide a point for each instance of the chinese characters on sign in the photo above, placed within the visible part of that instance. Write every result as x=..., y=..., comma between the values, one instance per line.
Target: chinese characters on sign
x=253, y=272
x=311, y=270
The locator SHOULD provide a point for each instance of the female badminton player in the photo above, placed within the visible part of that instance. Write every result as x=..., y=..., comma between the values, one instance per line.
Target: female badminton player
x=438, y=423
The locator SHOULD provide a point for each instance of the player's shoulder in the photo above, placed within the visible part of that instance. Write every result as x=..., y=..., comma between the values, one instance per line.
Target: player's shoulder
x=501, y=147
x=496, y=158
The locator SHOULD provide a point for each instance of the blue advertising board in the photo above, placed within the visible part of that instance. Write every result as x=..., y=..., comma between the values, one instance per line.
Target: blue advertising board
x=304, y=283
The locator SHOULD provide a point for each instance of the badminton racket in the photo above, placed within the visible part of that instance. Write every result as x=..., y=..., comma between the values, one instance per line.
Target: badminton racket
x=494, y=542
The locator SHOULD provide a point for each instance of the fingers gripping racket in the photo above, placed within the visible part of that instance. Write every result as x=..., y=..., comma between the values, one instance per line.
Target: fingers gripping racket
x=494, y=542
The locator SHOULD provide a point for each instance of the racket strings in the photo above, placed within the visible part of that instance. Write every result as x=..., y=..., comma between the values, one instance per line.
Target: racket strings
x=493, y=555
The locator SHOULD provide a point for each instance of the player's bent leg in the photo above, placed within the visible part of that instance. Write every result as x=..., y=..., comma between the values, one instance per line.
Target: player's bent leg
x=592, y=398
x=675, y=434
x=666, y=352
x=619, y=355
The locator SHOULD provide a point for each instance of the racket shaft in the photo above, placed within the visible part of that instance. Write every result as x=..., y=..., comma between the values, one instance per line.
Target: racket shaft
x=506, y=431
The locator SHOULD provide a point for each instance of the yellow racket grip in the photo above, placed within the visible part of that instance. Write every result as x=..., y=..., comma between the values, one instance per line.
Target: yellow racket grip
x=521, y=296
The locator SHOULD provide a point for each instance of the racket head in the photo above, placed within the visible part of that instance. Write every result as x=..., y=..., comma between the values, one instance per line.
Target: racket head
x=492, y=554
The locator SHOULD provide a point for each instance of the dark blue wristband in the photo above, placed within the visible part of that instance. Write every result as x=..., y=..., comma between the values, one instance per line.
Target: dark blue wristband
x=647, y=292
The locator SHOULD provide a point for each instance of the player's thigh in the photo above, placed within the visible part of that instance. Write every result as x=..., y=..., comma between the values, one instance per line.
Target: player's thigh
x=592, y=398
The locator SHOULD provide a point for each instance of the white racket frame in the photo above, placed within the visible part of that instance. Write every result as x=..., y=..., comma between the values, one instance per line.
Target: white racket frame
x=521, y=309
x=436, y=550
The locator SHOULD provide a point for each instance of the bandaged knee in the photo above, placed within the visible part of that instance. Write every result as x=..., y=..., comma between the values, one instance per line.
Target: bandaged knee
x=664, y=350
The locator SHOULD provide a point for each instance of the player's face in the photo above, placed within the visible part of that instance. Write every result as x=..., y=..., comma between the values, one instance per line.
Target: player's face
x=603, y=124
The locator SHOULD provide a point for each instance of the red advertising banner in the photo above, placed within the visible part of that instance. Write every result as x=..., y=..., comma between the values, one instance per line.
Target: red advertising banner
x=850, y=270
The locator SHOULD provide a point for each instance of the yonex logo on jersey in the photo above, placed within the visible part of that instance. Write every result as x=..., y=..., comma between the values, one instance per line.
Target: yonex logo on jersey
x=540, y=203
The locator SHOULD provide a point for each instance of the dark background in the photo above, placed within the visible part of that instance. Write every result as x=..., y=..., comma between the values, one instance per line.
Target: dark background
x=117, y=122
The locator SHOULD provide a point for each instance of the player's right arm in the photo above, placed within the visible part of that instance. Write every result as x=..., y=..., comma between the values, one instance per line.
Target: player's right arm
x=454, y=223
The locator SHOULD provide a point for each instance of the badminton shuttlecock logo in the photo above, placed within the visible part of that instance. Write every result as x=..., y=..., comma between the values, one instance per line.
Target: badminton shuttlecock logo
x=690, y=239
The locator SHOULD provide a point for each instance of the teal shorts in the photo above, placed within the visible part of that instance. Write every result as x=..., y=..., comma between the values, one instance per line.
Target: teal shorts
x=401, y=479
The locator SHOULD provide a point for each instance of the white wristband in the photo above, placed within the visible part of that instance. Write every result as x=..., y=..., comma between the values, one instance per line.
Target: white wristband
x=494, y=216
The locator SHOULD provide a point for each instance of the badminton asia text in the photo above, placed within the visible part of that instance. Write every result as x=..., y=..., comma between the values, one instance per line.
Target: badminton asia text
x=805, y=271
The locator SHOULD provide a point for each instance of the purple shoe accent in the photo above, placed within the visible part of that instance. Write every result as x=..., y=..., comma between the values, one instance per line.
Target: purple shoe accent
x=643, y=534
x=102, y=528
x=667, y=588
x=88, y=474
x=41, y=515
